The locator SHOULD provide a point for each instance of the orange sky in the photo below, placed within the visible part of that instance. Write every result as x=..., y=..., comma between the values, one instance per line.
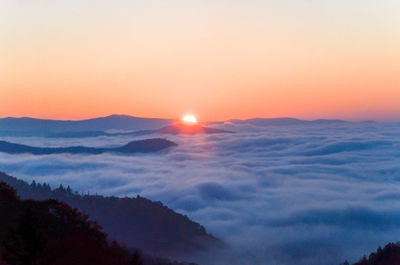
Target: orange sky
x=217, y=59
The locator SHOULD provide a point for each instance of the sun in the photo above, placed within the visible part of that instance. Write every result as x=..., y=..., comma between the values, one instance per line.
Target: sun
x=189, y=119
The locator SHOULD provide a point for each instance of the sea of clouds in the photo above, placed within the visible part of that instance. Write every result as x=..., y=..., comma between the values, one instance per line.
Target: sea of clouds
x=300, y=194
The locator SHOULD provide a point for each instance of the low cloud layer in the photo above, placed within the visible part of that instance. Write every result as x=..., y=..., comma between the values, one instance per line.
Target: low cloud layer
x=275, y=194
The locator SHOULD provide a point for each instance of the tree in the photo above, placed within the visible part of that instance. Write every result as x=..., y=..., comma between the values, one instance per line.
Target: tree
x=25, y=245
x=137, y=259
x=7, y=194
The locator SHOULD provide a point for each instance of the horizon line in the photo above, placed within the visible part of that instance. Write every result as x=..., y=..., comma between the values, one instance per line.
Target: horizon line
x=210, y=121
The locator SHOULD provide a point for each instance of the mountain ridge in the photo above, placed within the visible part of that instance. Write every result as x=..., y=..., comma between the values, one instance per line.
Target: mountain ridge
x=27, y=126
x=289, y=121
x=136, y=222
x=101, y=126
x=139, y=146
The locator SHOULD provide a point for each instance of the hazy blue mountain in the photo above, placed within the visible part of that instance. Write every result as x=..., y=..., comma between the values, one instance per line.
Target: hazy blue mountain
x=82, y=134
x=136, y=222
x=140, y=146
x=290, y=121
x=43, y=127
x=287, y=122
x=282, y=121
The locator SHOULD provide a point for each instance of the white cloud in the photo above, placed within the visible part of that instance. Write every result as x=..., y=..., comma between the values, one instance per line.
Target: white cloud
x=275, y=194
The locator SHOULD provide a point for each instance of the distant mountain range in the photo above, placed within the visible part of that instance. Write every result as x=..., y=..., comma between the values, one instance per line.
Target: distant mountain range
x=43, y=127
x=115, y=125
x=284, y=122
x=140, y=146
x=135, y=222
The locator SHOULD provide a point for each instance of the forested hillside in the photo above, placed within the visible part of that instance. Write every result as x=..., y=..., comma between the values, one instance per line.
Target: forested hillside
x=51, y=232
x=135, y=222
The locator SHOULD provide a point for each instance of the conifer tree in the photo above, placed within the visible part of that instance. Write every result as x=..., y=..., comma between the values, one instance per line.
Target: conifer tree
x=25, y=246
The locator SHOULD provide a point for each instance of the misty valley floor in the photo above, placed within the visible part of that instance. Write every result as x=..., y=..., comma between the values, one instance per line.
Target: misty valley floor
x=297, y=194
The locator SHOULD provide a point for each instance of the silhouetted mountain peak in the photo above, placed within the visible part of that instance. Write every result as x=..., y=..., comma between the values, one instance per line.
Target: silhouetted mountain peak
x=144, y=146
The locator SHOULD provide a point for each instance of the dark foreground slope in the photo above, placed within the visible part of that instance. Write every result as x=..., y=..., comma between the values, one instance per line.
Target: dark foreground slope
x=51, y=232
x=135, y=222
x=389, y=255
x=140, y=146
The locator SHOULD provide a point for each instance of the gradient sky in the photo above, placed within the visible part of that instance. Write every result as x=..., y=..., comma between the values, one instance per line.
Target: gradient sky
x=219, y=59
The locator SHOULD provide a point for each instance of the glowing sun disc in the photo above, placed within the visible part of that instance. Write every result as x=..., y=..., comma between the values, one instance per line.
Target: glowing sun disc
x=189, y=119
